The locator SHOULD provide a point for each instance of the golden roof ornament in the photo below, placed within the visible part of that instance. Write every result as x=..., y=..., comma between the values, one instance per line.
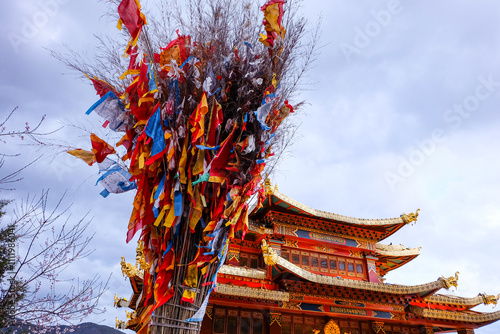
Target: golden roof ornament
x=130, y=315
x=120, y=302
x=450, y=281
x=489, y=299
x=140, y=259
x=411, y=217
x=270, y=255
x=129, y=270
x=120, y=324
x=268, y=188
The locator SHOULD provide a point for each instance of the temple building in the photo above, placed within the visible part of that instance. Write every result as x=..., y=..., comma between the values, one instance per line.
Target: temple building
x=303, y=271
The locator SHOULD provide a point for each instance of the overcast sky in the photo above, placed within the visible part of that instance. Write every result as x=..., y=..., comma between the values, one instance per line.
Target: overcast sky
x=403, y=115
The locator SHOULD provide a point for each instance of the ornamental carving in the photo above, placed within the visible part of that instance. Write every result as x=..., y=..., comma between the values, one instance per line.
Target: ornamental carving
x=356, y=254
x=291, y=243
x=291, y=306
x=411, y=217
x=274, y=317
x=268, y=187
x=489, y=299
x=119, y=324
x=140, y=260
x=270, y=255
x=450, y=281
x=332, y=328
x=210, y=311
x=243, y=291
x=378, y=327
x=128, y=270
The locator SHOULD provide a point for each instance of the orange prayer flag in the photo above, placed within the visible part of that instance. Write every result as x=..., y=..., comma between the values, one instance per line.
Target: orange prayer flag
x=197, y=119
x=86, y=156
x=100, y=148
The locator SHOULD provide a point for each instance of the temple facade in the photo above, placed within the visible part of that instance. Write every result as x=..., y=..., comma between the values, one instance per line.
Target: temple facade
x=298, y=270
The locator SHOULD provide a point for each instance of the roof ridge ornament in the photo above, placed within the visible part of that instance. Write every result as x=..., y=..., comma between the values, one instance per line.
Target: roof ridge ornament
x=270, y=255
x=489, y=299
x=411, y=217
x=129, y=270
x=268, y=187
x=450, y=281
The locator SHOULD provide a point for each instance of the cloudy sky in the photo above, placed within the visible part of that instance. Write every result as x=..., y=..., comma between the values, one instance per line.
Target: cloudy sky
x=402, y=115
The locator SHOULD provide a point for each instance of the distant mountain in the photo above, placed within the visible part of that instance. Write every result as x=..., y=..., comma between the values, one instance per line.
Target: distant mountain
x=85, y=328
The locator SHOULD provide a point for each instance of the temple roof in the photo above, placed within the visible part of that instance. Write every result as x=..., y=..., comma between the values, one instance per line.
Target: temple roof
x=473, y=317
x=391, y=257
x=481, y=298
x=421, y=290
x=280, y=208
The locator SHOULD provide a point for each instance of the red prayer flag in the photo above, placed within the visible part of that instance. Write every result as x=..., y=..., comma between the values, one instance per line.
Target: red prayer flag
x=100, y=148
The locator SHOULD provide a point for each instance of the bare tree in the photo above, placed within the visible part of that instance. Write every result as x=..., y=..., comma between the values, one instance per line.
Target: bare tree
x=37, y=244
x=48, y=242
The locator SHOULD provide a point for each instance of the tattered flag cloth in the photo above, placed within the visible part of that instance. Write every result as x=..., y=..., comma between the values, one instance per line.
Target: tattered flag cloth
x=273, y=14
x=132, y=18
x=112, y=110
x=87, y=156
x=115, y=179
x=100, y=148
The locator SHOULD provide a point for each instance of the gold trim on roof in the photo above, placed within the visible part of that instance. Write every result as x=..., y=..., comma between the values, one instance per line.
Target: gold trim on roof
x=128, y=270
x=243, y=291
x=396, y=250
x=334, y=216
x=455, y=316
x=370, y=286
x=120, y=302
x=346, y=301
x=411, y=217
x=359, y=240
x=254, y=227
x=450, y=281
x=243, y=272
x=481, y=298
x=268, y=187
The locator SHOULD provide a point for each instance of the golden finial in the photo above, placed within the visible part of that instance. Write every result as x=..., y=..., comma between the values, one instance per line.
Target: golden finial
x=412, y=217
x=268, y=186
